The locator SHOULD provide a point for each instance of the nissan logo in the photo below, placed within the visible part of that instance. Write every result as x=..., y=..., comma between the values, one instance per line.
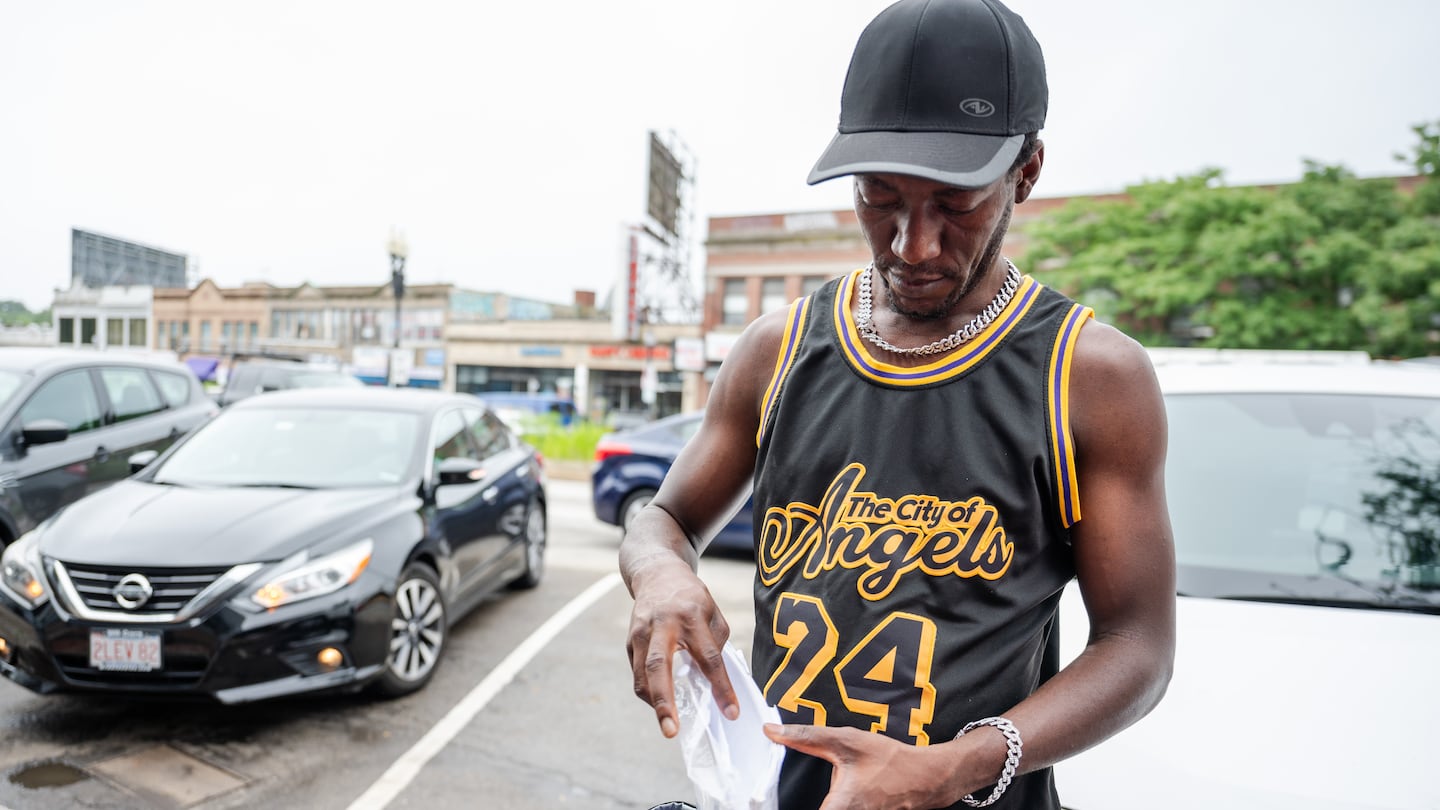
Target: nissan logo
x=133, y=591
x=978, y=107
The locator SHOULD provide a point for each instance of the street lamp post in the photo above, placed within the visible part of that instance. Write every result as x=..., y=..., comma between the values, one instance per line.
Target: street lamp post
x=397, y=286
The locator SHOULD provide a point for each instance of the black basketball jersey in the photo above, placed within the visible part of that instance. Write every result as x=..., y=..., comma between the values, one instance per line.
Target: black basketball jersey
x=912, y=528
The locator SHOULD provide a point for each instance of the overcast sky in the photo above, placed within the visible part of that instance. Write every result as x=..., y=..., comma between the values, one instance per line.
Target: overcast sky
x=282, y=141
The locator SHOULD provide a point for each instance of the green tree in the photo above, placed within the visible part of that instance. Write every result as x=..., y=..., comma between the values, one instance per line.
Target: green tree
x=14, y=313
x=1330, y=262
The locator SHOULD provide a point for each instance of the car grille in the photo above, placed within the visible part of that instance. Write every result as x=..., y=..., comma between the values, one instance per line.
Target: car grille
x=173, y=588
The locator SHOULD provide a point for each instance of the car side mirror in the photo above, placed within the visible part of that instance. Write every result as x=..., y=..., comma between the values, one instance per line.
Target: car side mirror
x=142, y=459
x=458, y=471
x=44, y=431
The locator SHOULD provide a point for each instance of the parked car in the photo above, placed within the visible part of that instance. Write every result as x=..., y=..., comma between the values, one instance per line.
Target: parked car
x=630, y=464
x=306, y=540
x=1305, y=502
x=250, y=377
x=69, y=419
x=622, y=419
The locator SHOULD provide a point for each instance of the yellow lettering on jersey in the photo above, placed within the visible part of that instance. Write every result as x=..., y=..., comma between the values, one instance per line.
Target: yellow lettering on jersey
x=851, y=528
x=884, y=669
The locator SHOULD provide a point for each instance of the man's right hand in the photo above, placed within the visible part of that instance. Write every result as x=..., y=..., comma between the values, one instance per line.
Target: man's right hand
x=673, y=611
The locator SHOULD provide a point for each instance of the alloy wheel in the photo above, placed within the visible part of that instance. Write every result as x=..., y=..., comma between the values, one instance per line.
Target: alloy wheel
x=417, y=631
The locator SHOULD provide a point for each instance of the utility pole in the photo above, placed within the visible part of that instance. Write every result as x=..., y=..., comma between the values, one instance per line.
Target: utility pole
x=397, y=286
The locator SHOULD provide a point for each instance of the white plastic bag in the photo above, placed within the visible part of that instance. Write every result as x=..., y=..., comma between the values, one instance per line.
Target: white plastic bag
x=732, y=764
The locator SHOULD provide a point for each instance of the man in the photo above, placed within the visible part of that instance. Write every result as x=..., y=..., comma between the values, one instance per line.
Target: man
x=925, y=437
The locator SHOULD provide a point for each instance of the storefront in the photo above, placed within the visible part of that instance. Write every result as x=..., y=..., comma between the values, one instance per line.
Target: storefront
x=576, y=359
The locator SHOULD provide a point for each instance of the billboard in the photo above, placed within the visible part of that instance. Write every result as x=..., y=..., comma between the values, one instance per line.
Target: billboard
x=662, y=202
x=97, y=260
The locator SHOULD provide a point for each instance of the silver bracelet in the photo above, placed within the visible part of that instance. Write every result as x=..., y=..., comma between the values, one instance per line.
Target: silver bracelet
x=1012, y=757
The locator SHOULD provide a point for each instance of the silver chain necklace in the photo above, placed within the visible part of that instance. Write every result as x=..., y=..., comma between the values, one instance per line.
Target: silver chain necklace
x=945, y=344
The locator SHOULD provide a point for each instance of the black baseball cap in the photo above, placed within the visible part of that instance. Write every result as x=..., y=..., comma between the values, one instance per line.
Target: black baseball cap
x=941, y=89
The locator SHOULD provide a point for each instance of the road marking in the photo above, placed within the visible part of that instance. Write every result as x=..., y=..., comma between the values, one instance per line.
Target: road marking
x=408, y=766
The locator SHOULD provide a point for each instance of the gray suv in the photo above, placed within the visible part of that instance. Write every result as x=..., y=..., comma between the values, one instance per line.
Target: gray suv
x=71, y=419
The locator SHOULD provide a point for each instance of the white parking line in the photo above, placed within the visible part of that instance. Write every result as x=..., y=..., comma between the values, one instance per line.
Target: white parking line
x=408, y=766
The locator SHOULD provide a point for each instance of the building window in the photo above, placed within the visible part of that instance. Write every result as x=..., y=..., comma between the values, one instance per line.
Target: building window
x=161, y=336
x=254, y=332
x=87, y=331
x=67, y=330
x=226, y=334
x=114, y=332
x=205, y=327
x=734, y=306
x=369, y=327
x=809, y=284
x=772, y=295
x=137, y=332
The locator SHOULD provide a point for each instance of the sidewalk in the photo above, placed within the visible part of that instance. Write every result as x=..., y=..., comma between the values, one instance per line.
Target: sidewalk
x=568, y=470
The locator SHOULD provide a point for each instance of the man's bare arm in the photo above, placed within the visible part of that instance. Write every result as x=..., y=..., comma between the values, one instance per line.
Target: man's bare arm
x=660, y=553
x=1124, y=556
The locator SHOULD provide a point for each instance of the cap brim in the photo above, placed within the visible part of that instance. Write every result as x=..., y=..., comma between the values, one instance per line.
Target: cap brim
x=953, y=158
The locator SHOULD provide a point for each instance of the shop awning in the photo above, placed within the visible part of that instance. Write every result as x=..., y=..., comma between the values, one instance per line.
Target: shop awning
x=204, y=367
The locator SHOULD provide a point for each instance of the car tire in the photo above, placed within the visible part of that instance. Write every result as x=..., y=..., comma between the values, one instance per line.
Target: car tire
x=632, y=505
x=418, y=632
x=535, y=539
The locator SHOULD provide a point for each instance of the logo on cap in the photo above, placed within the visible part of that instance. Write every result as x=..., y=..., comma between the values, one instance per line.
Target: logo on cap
x=978, y=107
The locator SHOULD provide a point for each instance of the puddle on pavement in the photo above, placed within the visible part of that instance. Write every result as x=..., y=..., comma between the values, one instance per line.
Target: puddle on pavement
x=48, y=775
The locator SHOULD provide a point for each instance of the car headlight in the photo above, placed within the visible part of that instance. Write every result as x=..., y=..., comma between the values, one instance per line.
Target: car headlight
x=20, y=572
x=315, y=578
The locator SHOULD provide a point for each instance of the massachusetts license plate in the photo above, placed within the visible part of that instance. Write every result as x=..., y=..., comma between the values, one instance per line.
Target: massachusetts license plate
x=125, y=650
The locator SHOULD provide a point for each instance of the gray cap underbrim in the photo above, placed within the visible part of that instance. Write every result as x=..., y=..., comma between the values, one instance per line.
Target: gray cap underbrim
x=953, y=158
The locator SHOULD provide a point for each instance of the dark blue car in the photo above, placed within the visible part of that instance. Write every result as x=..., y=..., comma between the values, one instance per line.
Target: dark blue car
x=630, y=465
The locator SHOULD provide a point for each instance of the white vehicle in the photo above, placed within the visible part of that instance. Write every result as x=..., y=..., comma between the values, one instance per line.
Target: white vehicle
x=1304, y=493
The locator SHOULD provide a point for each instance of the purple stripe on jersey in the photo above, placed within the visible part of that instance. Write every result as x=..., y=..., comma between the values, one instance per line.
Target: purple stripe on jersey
x=791, y=341
x=1062, y=413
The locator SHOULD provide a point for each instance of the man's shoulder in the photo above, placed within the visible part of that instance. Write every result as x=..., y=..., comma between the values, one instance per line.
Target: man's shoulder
x=1113, y=386
x=764, y=336
x=1103, y=351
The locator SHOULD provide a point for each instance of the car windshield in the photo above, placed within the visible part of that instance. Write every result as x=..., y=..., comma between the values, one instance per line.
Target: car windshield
x=313, y=448
x=514, y=418
x=1306, y=498
x=9, y=384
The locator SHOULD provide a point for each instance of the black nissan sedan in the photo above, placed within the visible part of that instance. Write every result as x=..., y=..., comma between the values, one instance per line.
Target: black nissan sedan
x=305, y=540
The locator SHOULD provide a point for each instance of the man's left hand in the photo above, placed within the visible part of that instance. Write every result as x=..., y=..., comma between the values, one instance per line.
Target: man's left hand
x=872, y=771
